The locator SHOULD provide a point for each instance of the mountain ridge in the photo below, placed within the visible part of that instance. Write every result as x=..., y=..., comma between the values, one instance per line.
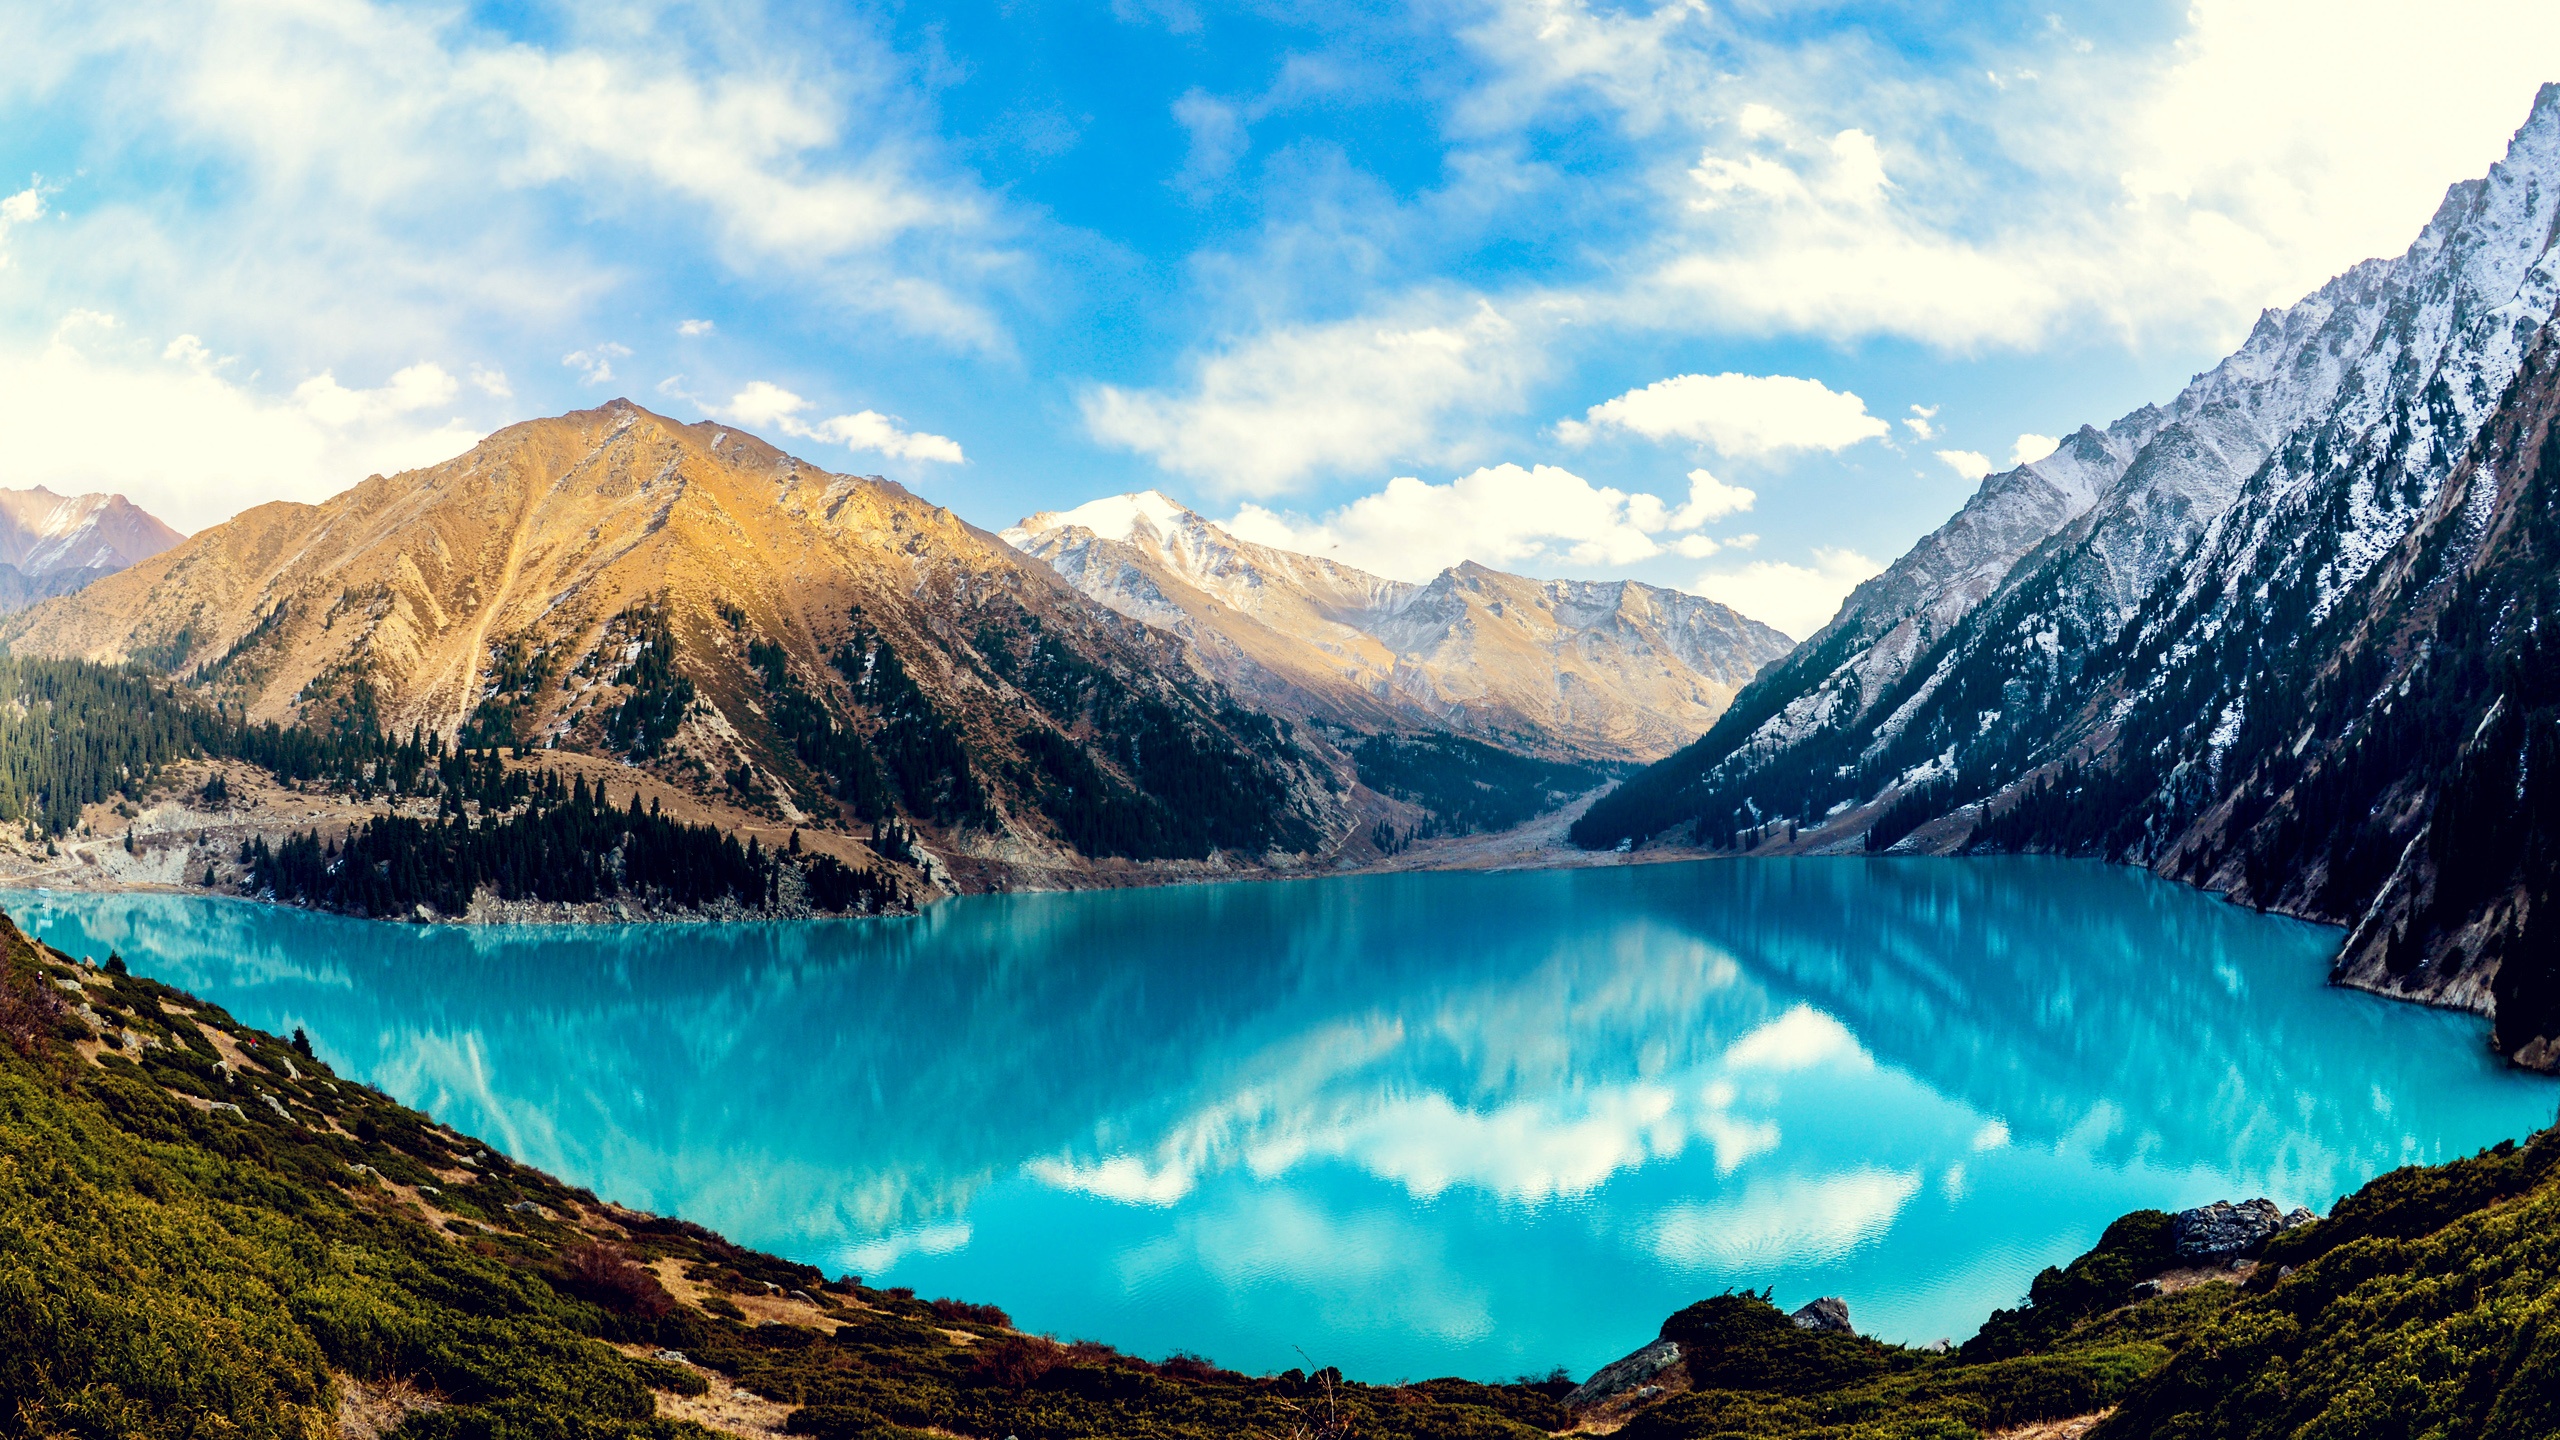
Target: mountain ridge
x=2114, y=693
x=822, y=648
x=1605, y=670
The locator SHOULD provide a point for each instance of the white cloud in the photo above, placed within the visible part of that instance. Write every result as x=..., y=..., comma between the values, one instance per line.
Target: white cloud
x=1709, y=499
x=19, y=209
x=2136, y=187
x=1918, y=422
x=1736, y=414
x=363, y=174
x=691, y=328
x=1218, y=138
x=763, y=403
x=1971, y=464
x=422, y=386
x=2031, y=448
x=1797, y=599
x=871, y=430
x=595, y=365
x=492, y=381
x=1292, y=404
x=160, y=424
x=1502, y=516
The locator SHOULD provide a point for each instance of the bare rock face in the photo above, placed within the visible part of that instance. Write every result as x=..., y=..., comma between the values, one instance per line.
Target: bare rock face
x=2224, y=1231
x=1624, y=1377
x=1829, y=1314
x=1612, y=670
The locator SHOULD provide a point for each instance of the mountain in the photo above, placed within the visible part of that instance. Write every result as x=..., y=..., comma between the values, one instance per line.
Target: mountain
x=2283, y=648
x=52, y=544
x=1606, y=670
x=690, y=601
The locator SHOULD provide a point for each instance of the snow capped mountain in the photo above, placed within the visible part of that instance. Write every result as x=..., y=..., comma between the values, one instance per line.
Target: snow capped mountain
x=1610, y=670
x=2142, y=646
x=51, y=544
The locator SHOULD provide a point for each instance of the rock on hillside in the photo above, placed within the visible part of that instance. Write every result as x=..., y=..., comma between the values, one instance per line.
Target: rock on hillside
x=1614, y=670
x=54, y=544
x=825, y=648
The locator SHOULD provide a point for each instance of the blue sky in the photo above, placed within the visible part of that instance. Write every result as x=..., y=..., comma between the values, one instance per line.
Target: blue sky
x=1499, y=279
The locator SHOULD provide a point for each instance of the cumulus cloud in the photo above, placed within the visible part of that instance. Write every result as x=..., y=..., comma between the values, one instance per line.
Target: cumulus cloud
x=1735, y=414
x=94, y=408
x=423, y=386
x=1797, y=599
x=1919, y=422
x=693, y=328
x=1271, y=413
x=2044, y=182
x=368, y=173
x=1503, y=516
x=1971, y=464
x=595, y=364
x=1709, y=499
x=765, y=404
x=19, y=209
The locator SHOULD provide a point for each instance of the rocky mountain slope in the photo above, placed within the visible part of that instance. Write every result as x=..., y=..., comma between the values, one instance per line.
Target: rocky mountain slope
x=2186, y=669
x=53, y=544
x=1614, y=670
x=691, y=602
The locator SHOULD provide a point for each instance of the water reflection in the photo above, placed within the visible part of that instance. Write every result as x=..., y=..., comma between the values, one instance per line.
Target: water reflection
x=1411, y=1124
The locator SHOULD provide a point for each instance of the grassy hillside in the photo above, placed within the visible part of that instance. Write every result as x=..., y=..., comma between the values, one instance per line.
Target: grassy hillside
x=205, y=1232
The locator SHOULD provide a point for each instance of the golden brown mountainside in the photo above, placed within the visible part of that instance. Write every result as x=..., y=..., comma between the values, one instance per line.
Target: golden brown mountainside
x=827, y=649
x=1608, y=670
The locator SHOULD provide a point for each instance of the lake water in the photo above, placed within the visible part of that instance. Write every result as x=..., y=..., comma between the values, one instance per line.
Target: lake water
x=1410, y=1125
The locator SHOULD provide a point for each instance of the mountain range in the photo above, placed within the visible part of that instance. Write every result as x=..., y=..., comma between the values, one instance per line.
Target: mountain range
x=1606, y=670
x=2280, y=636
x=692, y=603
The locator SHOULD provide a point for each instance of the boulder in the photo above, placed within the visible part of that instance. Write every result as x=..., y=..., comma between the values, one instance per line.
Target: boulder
x=1830, y=1313
x=2224, y=1231
x=1623, y=1377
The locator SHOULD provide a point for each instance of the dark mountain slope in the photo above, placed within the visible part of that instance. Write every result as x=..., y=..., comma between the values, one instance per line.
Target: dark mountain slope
x=2306, y=685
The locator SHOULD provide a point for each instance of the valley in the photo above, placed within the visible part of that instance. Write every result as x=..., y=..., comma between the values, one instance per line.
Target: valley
x=1161, y=721
x=689, y=620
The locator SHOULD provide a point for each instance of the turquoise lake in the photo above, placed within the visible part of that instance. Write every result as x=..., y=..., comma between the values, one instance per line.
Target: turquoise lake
x=1409, y=1125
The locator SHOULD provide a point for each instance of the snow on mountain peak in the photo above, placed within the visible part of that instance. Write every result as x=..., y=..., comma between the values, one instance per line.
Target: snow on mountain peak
x=1113, y=517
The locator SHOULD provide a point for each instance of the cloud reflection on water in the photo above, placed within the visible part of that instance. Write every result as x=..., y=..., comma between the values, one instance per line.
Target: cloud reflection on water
x=1432, y=1123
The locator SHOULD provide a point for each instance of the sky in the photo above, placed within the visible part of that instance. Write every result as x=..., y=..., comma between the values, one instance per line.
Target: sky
x=1740, y=298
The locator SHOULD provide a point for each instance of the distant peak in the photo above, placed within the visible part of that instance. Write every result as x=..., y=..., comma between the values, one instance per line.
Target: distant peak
x=1114, y=517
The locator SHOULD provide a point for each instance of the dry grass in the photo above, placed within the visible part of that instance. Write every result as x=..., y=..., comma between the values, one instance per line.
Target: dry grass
x=371, y=1409
x=2071, y=1429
